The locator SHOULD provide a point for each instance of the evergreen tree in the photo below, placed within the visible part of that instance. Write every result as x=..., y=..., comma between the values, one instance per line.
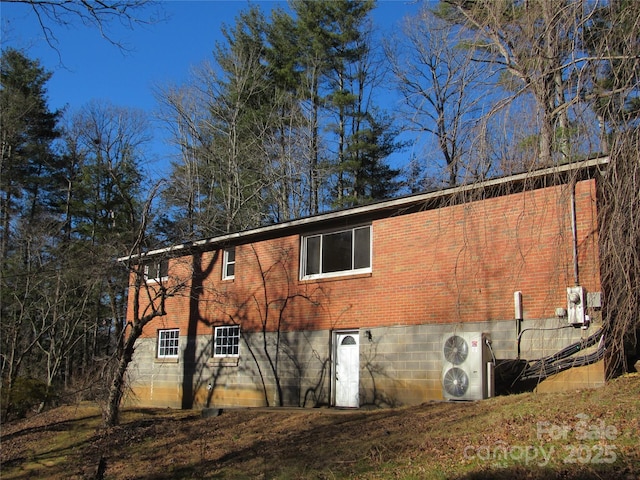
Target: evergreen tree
x=373, y=178
x=243, y=113
x=290, y=144
x=28, y=128
x=337, y=59
x=29, y=223
x=283, y=116
x=222, y=121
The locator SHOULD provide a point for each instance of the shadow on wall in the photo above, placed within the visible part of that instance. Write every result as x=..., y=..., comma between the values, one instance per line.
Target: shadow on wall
x=190, y=362
x=287, y=367
x=370, y=392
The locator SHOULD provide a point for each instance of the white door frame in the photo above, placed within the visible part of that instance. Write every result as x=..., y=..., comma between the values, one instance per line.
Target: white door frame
x=354, y=400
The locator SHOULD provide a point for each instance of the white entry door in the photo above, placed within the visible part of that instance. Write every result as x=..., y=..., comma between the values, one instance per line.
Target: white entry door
x=347, y=369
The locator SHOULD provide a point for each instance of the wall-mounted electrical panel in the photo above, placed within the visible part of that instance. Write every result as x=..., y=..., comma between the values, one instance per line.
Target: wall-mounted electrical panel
x=576, y=305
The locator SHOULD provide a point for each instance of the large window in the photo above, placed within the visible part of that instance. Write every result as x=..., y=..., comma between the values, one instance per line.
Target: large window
x=168, y=343
x=156, y=270
x=229, y=263
x=336, y=253
x=226, y=341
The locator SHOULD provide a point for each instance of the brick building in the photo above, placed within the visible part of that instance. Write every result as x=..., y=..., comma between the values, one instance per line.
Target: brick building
x=354, y=307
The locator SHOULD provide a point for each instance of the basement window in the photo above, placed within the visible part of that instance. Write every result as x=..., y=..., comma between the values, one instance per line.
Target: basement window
x=336, y=253
x=168, y=343
x=226, y=341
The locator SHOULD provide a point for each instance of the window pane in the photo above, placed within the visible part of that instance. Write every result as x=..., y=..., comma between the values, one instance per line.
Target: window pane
x=156, y=270
x=231, y=270
x=164, y=268
x=226, y=341
x=168, y=341
x=312, y=261
x=151, y=271
x=336, y=252
x=229, y=263
x=348, y=340
x=362, y=251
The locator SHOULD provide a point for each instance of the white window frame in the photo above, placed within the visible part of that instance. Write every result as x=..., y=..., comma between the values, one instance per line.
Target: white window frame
x=168, y=343
x=226, y=263
x=153, y=270
x=321, y=236
x=222, y=348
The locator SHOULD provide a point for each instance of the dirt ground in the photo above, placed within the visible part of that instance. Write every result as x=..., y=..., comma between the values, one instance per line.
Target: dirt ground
x=581, y=434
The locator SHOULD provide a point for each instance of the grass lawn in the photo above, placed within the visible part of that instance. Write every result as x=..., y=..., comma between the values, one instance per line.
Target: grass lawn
x=577, y=435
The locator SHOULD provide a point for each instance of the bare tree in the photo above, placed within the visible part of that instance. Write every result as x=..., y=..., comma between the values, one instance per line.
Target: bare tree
x=100, y=15
x=180, y=111
x=538, y=44
x=620, y=251
x=104, y=217
x=439, y=84
x=615, y=96
x=25, y=323
x=222, y=156
x=148, y=303
x=579, y=58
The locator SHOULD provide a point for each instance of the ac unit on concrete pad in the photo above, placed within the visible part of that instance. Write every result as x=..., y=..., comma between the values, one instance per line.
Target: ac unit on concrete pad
x=465, y=356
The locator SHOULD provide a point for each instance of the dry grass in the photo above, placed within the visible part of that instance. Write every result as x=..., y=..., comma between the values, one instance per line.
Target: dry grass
x=583, y=434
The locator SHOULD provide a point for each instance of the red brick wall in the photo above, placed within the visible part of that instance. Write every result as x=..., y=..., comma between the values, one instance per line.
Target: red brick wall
x=453, y=264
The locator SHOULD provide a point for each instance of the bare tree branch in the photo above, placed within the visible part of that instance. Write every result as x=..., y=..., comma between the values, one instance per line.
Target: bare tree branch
x=99, y=15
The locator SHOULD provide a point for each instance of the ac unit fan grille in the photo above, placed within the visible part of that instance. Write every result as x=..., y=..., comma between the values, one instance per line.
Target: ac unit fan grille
x=456, y=350
x=456, y=382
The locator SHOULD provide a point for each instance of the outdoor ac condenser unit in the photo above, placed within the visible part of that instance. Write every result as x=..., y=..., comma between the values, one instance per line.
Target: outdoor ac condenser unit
x=465, y=372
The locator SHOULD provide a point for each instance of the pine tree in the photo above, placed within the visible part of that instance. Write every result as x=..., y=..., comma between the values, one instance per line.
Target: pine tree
x=223, y=119
x=337, y=59
x=29, y=224
x=27, y=131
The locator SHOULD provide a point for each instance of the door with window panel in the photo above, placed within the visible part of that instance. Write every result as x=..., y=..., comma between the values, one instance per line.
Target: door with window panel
x=347, y=370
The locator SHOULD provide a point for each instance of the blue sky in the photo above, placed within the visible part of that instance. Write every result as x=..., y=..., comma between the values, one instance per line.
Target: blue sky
x=94, y=69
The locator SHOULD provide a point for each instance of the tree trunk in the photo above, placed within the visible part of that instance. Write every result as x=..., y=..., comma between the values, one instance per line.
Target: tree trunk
x=116, y=391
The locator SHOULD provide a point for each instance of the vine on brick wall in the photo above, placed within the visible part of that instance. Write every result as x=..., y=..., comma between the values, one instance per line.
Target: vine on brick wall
x=620, y=252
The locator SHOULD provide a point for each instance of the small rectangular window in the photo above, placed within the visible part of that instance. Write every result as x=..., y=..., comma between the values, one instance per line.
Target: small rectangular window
x=156, y=270
x=168, y=343
x=226, y=341
x=336, y=253
x=229, y=263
